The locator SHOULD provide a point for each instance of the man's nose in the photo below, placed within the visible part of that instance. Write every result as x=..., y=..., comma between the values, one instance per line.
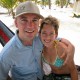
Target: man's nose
x=30, y=24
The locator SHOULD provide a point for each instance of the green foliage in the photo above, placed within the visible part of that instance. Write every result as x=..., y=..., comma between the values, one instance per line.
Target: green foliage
x=57, y=2
x=60, y=2
x=45, y=2
x=21, y=0
x=8, y=3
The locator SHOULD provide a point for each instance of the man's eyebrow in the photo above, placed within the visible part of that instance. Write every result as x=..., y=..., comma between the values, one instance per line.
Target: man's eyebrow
x=23, y=17
x=35, y=18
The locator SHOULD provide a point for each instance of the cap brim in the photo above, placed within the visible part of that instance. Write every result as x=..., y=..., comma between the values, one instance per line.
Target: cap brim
x=40, y=16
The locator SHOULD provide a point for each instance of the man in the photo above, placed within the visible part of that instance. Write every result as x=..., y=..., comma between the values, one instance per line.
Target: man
x=22, y=54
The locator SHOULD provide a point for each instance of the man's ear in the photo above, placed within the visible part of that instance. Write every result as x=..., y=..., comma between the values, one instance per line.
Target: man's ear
x=15, y=22
x=40, y=21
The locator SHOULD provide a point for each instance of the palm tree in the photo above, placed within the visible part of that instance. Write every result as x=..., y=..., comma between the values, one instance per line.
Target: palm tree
x=49, y=4
x=21, y=0
x=60, y=3
x=67, y=2
x=46, y=2
x=9, y=5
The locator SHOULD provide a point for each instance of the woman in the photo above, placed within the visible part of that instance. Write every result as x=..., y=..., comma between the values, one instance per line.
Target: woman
x=54, y=53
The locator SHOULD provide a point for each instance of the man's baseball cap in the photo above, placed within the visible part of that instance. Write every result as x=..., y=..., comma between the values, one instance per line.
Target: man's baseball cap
x=27, y=7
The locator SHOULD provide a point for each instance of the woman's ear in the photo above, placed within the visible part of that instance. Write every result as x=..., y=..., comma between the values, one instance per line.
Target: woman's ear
x=56, y=36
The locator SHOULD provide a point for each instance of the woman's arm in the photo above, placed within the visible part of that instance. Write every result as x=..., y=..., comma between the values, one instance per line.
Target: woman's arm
x=73, y=71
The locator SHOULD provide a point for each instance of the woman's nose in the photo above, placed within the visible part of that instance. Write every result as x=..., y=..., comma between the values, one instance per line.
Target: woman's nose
x=48, y=36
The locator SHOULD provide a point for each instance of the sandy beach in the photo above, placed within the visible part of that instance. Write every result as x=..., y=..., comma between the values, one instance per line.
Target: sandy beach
x=69, y=27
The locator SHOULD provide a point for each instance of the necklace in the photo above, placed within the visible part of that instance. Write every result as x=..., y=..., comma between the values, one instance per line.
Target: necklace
x=52, y=53
x=58, y=62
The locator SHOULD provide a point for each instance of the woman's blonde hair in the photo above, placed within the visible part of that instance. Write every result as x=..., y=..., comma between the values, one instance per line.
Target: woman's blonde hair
x=50, y=21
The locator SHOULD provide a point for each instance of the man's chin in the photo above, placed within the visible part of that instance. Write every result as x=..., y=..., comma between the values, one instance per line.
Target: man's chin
x=31, y=37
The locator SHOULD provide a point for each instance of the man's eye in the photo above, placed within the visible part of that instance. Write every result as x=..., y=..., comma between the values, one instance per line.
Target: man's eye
x=35, y=20
x=24, y=20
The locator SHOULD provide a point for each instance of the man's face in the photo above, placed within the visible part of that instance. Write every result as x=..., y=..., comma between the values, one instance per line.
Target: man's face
x=27, y=25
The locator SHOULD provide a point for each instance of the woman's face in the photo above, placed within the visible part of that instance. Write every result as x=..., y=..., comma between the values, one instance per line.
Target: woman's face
x=48, y=35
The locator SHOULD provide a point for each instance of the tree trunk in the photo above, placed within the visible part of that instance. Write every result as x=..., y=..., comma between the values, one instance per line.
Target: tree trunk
x=49, y=4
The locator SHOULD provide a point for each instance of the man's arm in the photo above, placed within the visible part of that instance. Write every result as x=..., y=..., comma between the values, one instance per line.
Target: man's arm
x=9, y=78
x=70, y=50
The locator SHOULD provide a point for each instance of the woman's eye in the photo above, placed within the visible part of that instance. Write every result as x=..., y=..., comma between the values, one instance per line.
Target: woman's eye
x=51, y=33
x=43, y=33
